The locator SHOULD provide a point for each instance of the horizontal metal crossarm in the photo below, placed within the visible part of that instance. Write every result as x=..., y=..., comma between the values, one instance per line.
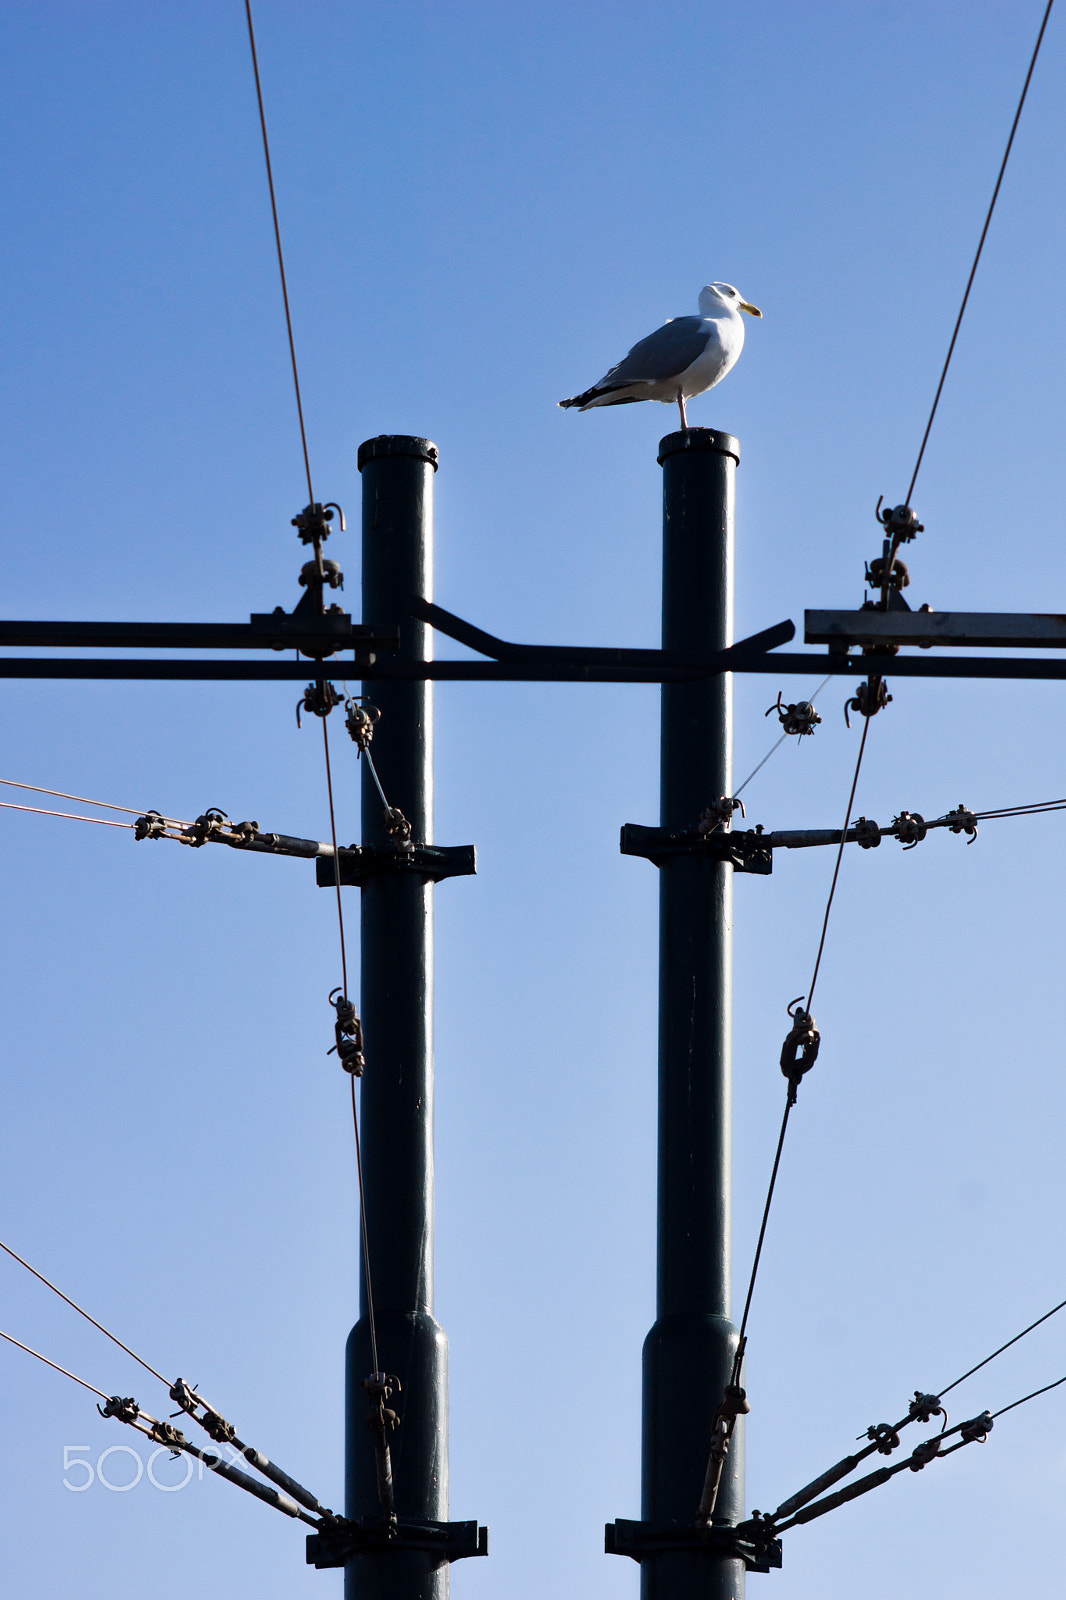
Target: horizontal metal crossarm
x=503, y=650
x=807, y=664
x=641, y=1540
x=266, y=631
x=336, y=1544
x=978, y=629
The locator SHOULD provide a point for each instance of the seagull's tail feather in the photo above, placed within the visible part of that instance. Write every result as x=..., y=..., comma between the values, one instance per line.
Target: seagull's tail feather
x=599, y=396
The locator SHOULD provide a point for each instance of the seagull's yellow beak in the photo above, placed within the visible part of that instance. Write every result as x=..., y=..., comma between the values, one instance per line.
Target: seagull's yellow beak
x=753, y=311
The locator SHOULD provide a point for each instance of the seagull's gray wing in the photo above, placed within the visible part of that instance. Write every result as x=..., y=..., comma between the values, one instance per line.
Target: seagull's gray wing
x=663, y=354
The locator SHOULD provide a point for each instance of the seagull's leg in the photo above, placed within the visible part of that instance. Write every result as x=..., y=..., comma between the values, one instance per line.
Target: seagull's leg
x=681, y=408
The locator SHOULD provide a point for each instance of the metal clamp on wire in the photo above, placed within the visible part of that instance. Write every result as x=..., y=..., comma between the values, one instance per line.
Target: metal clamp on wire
x=212, y=822
x=719, y=814
x=398, y=827
x=976, y=1431
x=125, y=1409
x=243, y=833
x=349, y=1034
x=925, y=1452
x=867, y=833
x=382, y=1421
x=869, y=698
x=319, y=699
x=151, y=826
x=312, y=523
x=360, y=721
x=899, y=522
x=962, y=820
x=800, y=1049
x=799, y=718
x=898, y=578
x=331, y=574
x=734, y=1404
x=924, y=1407
x=212, y=1421
x=884, y=1436
x=910, y=828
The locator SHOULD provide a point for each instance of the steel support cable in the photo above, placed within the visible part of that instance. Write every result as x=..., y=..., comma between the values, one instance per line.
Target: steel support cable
x=779, y=742
x=53, y=1364
x=973, y=1430
x=1003, y=1409
x=734, y=1402
x=281, y=254
x=977, y=256
x=40, y=811
x=999, y=1352
x=82, y=799
x=80, y=1309
x=836, y=868
x=129, y=1411
x=212, y=1421
x=355, y=1114
x=790, y=1100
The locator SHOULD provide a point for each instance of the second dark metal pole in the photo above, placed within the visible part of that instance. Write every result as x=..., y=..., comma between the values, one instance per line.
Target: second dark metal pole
x=689, y=1351
x=396, y=997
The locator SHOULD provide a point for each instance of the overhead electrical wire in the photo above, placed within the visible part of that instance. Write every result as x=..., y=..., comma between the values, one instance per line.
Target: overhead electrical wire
x=281, y=253
x=54, y=1365
x=1004, y=1409
x=980, y=247
x=778, y=743
x=81, y=1310
x=999, y=1352
x=82, y=799
x=810, y=992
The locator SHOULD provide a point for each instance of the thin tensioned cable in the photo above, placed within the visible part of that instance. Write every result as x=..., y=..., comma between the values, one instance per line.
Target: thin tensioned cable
x=366, y=1242
x=54, y=1365
x=836, y=868
x=336, y=859
x=777, y=745
x=281, y=254
x=39, y=811
x=355, y=1115
x=1001, y=1349
x=82, y=799
x=1026, y=1397
x=980, y=247
x=789, y=1101
x=81, y=1310
x=762, y=1230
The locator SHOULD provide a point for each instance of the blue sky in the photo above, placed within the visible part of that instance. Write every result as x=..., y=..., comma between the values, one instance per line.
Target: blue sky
x=482, y=208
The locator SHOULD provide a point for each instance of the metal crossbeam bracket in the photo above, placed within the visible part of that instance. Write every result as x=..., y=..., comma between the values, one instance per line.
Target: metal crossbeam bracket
x=446, y=1541
x=639, y=1540
x=429, y=861
x=985, y=629
x=747, y=850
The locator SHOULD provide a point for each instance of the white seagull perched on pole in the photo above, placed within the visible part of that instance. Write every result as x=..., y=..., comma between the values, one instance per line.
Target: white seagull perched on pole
x=683, y=358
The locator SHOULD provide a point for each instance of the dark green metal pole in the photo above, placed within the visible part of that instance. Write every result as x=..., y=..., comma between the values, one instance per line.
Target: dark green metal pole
x=689, y=1352
x=396, y=998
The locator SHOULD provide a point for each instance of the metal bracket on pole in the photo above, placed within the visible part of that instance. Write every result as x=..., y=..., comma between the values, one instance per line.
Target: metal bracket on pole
x=747, y=850
x=431, y=862
x=445, y=1541
x=639, y=1540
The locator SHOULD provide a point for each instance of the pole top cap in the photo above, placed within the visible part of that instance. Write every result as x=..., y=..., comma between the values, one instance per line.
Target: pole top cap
x=690, y=439
x=398, y=444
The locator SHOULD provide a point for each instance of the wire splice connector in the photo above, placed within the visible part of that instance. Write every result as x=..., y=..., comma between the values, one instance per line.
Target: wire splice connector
x=800, y=1049
x=799, y=718
x=349, y=1034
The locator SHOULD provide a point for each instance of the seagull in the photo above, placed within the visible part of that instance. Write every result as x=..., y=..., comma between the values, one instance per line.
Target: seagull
x=683, y=358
